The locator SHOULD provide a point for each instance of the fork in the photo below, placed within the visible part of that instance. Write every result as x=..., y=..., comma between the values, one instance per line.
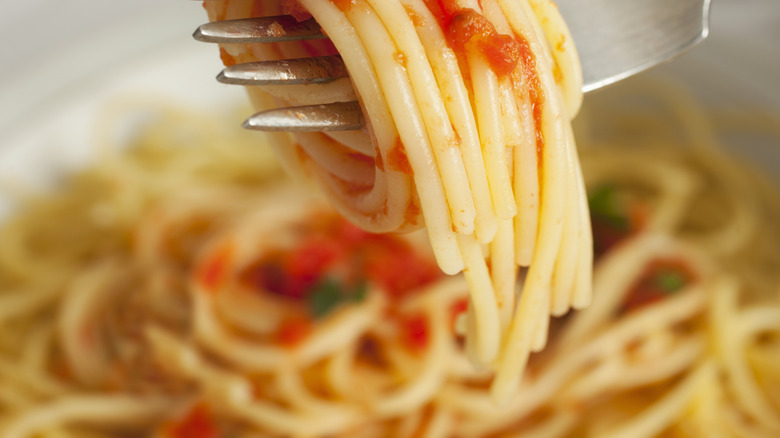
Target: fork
x=615, y=39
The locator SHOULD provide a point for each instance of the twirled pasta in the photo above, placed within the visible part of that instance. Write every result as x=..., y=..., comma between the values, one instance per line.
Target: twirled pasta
x=467, y=107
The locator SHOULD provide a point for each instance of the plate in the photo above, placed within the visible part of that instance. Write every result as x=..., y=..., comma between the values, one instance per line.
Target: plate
x=50, y=103
x=76, y=57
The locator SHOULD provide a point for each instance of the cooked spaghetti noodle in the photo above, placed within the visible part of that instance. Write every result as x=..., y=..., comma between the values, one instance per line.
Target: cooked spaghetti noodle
x=182, y=292
x=467, y=107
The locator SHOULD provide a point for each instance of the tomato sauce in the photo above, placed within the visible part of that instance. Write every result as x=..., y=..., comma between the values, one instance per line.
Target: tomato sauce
x=335, y=250
x=503, y=52
x=661, y=278
x=412, y=213
x=414, y=332
x=378, y=162
x=227, y=59
x=213, y=271
x=535, y=95
x=293, y=330
x=416, y=19
x=198, y=423
x=343, y=5
x=397, y=159
x=462, y=25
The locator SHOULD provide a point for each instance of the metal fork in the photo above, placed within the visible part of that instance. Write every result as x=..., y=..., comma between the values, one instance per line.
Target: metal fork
x=615, y=39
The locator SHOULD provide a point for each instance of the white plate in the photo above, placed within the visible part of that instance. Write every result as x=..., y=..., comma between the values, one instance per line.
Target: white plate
x=62, y=61
x=54, y=85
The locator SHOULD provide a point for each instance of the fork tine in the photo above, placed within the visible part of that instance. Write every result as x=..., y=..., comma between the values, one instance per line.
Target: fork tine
x=301, y=71
x=258, y=30
x=338, y=116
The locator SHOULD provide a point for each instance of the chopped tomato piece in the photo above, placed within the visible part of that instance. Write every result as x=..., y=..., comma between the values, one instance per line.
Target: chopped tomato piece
x=348, y=233
x=334, y=263
x=414, y=332
x=661, y=278
x=502, y=52
x=314, y=255
x=307, y=263
x=399, y=273
x=293, y=330
x=212, y=272
x=198, y=423
x=227, y=58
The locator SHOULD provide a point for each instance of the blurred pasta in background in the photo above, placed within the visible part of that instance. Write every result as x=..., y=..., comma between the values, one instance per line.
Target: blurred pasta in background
x=184, y=288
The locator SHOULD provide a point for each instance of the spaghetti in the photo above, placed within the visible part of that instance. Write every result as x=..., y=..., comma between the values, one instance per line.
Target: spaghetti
x=187, y=292
x=467, y=107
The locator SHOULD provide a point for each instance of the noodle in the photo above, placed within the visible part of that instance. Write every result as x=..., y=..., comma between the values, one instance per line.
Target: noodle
x=467, y=107
x=206, y=297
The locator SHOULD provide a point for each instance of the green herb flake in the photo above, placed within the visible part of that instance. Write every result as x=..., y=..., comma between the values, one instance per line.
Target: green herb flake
x=669, y=280
x=604, y=204
x=329, y=293
x=324, y=298
x=360, y=291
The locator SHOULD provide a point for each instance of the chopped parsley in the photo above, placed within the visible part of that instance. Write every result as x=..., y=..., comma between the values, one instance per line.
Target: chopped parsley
x=329, y=293
x=605, y=205
x=662, y=278
x=669, y=280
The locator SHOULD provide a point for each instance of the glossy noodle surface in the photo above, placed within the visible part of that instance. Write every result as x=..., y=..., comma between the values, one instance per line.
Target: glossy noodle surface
x=467, y=109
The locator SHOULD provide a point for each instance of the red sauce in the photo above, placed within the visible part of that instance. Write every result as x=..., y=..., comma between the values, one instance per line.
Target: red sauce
x=414, y=328
x=343, y=5
x=378, y=162
x=293, y=330
x=393, y=263
x=416, y=19
x=443, y=10
x=226, y=57
x=213, y=271
x=534, y=94
x=335, y=248
x=414, y=332
x=400, y=58
x=335, y=253
x=412, y=213
x=370, y=351
x=397, y=159
x=661, y=278
x=501, y=51
x=461, y=25
x=198, y=423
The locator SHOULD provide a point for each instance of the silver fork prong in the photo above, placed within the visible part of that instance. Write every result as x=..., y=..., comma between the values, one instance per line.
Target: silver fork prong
x=301, y=71
x=259, y=30
x=338, y=116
